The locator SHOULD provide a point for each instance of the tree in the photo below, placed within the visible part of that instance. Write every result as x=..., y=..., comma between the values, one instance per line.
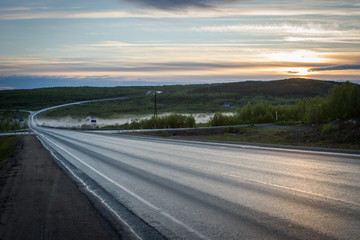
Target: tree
x=246, y=113
x=343, y=101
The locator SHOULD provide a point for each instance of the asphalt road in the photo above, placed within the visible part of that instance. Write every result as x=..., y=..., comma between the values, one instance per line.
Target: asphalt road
x=194, y=190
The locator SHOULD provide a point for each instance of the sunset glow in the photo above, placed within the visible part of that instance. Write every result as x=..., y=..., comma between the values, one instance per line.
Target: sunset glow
x=299, y=56
x=179, y=42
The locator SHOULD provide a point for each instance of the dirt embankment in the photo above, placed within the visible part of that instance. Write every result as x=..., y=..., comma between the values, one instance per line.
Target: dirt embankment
x=39, y=201
x=338, y=135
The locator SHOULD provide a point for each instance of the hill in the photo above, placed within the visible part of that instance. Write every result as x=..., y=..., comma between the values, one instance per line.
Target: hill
x=35, y=99
x=295, y=87
x=178, y=98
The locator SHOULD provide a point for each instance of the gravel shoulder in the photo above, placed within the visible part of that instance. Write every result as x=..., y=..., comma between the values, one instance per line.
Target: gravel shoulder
x=39, y=201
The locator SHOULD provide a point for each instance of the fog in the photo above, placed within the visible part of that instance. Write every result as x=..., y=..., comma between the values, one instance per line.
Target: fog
x=69, y=121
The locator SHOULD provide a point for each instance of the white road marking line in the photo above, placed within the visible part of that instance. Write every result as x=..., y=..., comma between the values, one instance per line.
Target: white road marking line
x=289, y=188
x=162, y=212
x=93, y=193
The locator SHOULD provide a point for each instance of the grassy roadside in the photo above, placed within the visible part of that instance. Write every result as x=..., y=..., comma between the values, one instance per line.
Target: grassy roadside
x=252, y=135
x=323, y=135
x=7, y=148
x=338, y=136
x=13, y=120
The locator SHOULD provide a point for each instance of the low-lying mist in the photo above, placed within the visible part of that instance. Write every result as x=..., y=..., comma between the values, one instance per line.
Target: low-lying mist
x=69, y=121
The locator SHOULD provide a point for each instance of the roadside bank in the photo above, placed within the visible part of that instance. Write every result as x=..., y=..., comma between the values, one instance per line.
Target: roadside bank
x=336, y=135
x=39, y=201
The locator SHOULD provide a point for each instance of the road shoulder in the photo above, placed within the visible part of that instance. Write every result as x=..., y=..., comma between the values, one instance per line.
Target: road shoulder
x=39, y=201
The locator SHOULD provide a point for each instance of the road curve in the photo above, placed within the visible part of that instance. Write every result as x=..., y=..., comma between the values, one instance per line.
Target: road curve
x=194, y=190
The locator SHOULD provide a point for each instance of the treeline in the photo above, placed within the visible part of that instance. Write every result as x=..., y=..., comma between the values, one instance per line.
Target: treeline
x=176, y=98
x=342, y=102
x=170, y=121
x=295, y=87
x=9, y=125
x=107, y=109
x=36, y=99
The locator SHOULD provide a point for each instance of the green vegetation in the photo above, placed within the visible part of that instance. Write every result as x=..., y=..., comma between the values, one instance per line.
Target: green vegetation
x=296, y=87
x=342, y=102
x=253, y=135
x=226, y=97
x=9, y=126
x=8, y=123
x=201, y=98
x=107, y=109
x=344, y=137
x=36, y=99
x=292, y=101
x=328, y=128
x=7, y=147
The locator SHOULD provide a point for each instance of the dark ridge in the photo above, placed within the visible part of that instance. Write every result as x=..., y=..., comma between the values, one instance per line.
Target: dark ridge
x=294, y=87
x=238, y=94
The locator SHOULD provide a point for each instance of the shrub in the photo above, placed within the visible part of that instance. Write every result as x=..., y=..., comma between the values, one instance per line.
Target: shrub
x=329, y=128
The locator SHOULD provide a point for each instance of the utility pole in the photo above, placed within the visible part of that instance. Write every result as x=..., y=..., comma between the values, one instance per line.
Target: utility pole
x=155, y=105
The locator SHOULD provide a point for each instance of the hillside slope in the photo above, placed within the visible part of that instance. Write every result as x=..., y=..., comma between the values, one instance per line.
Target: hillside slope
x=177, y=98
x=295, y=87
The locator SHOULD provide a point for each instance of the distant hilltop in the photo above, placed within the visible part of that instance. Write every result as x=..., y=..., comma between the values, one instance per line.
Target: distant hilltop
x=206, y=97
x=293, y=87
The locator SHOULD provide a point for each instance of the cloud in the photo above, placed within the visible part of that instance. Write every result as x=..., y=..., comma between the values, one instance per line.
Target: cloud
x=113, y=14
x=346, y=36
x=181, y=4
x=282, y=29
x=65, y=66
x=189, y=9
x=337, y=67
x=7, y=88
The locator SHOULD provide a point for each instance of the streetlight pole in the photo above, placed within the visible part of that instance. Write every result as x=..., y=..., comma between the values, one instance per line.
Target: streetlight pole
x=155, y=105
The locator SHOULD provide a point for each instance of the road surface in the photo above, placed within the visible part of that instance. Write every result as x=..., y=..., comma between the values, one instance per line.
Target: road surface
x=194, y=190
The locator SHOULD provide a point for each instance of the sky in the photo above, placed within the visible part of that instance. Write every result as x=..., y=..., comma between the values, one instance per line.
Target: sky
x=145, y=42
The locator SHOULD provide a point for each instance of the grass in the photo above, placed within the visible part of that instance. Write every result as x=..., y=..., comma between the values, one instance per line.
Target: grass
x=10, y=114
x=204, y=98
x=328, y=128
x=252, y=135
x=344, y=137
x=143, y=105
x=7, y=147
x=8, y=123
